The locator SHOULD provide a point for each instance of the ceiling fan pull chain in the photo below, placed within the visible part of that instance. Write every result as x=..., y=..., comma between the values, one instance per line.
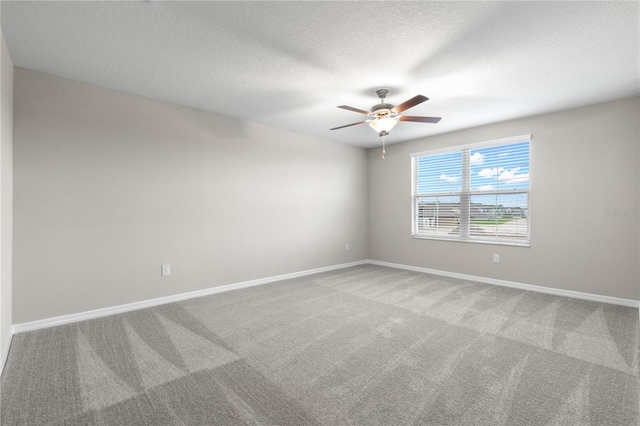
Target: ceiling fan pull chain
x=383, y=147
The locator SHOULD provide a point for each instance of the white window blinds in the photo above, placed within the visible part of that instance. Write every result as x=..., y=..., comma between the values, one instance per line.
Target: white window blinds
x=477, y=193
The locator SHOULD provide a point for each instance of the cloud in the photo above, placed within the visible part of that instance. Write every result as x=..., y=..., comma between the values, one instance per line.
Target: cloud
x=489, y=173
x=512, y=176
x=450, y=179
x=509, y=176
x=476, y=159
x=486, y=188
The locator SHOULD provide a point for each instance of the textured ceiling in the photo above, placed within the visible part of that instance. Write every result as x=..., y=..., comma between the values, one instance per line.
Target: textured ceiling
x=289, y=64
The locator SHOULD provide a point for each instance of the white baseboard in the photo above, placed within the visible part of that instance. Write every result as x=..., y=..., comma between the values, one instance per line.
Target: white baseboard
x=97, y=313
x=529, y=287
x=5, y=351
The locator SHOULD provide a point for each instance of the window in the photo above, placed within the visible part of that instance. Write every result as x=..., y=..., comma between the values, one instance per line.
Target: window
x=475, y=193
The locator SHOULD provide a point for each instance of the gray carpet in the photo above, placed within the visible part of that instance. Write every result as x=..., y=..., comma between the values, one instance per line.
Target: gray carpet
x=360, y=346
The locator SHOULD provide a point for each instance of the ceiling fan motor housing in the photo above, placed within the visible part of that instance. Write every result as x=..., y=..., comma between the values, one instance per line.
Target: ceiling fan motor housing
x=381, y=109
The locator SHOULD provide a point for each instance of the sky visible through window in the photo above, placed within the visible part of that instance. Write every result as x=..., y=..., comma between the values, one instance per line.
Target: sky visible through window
x=491, y=169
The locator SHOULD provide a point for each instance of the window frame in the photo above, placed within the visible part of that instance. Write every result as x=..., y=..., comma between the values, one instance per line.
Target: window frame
x=466, y=193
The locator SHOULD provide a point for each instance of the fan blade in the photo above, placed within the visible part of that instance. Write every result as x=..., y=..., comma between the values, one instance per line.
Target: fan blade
x=347, y=125
x=418, y=99
x=361, y=111
x=419, y=119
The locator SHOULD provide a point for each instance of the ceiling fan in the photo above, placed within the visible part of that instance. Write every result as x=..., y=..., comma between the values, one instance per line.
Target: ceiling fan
x=385, y=116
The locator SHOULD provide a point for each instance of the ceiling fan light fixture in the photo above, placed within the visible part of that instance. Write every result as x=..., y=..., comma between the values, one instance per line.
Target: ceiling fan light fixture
x=383, y=125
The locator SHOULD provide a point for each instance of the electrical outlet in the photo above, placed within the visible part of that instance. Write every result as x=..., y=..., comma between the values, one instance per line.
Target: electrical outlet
x=166, y=270
x=346, y=247
x=496, y=258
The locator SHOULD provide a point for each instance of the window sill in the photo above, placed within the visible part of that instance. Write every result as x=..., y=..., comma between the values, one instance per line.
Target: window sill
x=457, y=240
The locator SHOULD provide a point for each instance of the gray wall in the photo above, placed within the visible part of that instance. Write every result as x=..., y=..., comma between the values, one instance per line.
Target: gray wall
x=6, y=187
x=109, y=186
x=583, y=162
